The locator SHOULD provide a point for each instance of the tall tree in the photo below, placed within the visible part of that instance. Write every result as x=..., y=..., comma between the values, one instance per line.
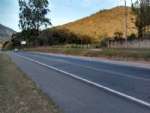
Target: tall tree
x=33, y=14
x=39, y=10
x=24, y=15
x=142, y=9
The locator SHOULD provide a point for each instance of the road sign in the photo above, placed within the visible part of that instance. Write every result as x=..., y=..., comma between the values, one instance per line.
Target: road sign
x=23, y=42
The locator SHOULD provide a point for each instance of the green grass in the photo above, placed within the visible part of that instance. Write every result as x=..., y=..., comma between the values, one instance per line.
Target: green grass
x=18, y=94
x=122, y=54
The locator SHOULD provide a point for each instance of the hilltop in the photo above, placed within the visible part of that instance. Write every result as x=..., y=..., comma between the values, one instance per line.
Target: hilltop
x=103, y=23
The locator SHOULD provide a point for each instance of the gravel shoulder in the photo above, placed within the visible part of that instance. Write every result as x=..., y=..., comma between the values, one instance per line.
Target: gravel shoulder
x=19, y=94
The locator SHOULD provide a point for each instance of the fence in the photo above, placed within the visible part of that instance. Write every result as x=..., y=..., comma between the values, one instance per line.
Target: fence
x=145, y=43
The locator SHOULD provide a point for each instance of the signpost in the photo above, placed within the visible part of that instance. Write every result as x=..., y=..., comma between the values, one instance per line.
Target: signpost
x=126, y=24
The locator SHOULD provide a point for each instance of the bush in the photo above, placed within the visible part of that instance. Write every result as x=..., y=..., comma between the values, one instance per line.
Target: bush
x=53, y=36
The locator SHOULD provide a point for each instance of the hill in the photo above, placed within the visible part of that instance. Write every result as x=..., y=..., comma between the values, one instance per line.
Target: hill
x=103, y=23
x=5, y=33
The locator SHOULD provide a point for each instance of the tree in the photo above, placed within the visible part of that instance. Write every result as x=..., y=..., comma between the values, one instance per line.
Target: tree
x=24, y=15
x=118, y=35
x=142, y=8
x=39, y=10
x=32, y=17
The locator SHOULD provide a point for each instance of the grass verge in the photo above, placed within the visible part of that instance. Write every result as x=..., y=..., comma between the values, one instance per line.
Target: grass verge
x=119, y=54
x=18, y=94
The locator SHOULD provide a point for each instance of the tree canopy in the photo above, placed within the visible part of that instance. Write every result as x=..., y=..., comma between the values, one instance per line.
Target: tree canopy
x=33, y=14
x=142, y=10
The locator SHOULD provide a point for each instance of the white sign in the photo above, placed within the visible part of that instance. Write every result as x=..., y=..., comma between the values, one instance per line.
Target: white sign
x=23, y=42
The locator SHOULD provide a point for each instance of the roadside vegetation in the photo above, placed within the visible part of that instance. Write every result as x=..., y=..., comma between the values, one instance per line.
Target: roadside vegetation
x=18, y=94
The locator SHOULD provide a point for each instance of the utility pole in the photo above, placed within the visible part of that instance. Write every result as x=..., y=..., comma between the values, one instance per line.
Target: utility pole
x=126, y=25
x=131, y=3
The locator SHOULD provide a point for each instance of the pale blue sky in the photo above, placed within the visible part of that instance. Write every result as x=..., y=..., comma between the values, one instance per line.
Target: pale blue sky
x=62, y=11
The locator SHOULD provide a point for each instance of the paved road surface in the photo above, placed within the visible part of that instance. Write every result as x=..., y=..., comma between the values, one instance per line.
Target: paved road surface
x=75, y=96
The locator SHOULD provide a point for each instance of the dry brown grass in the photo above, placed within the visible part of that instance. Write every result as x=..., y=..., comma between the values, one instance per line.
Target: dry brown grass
x=103, y=23
x=18, y=94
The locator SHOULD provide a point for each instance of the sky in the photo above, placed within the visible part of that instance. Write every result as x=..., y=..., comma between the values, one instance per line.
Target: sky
x=62, y=11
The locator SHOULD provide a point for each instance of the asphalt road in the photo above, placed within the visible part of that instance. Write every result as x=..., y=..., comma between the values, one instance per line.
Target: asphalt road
x=76, y=96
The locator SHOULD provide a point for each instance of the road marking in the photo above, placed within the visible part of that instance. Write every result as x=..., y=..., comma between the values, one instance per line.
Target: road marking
x=139, y=101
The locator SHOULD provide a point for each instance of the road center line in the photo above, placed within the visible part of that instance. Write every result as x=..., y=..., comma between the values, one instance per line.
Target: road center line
x=139, y=101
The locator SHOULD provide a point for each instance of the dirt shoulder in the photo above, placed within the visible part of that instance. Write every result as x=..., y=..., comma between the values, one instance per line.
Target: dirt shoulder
x=18, y=94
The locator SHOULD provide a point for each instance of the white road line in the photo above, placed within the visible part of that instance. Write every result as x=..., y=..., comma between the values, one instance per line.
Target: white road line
x=139, y=101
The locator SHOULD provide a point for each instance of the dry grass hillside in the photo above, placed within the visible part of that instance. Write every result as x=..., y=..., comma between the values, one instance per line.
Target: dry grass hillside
x=103, y=23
